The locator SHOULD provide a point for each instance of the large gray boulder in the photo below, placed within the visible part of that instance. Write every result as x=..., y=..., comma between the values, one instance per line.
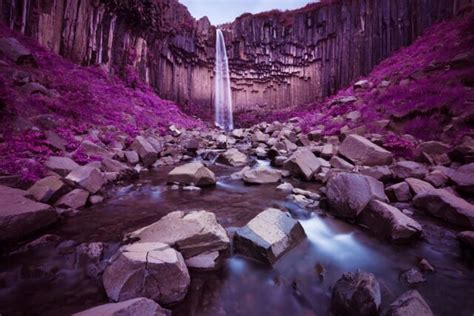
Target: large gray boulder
x=61, y=165
x=349, y=193
x=16, y=52
x=447, y=206
x=47, y=189
x=362, y=151
x=140, y=306
x=20, y=216
x=356, y=294
x=388, y=222
x=262, y=175
x=192, y=173
x=87, y=177
x=268, y=236
x=463, y=177
x=152, y=270
x=410, y=303
x=145, y=150
x=197, y=235
x=233, y=157
x=302, y=163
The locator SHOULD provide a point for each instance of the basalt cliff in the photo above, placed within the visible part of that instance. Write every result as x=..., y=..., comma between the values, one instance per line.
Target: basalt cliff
x=277, y=60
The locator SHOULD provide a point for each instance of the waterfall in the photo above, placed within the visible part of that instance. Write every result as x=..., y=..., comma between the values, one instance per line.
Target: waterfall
x=223, y=95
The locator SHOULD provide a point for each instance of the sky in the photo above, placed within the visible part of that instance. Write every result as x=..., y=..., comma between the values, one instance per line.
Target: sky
x=223, y=11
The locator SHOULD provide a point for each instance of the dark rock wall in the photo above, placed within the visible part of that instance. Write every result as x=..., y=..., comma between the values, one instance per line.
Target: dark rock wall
x=277, y=59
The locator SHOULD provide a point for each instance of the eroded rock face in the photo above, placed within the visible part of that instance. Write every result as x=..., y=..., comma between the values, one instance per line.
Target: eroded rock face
x=302, y=164
x=356, y=294
x=410, y=303
x=197, y=235
x=150, y=269
x=192, y=173
x=262, y=175
x=362, y=151
x=87, y=177
x=349, y=193
x=135, y=307
x=268, y=236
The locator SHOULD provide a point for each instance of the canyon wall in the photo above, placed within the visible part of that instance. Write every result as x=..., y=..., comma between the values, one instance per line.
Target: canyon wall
x=277, y=60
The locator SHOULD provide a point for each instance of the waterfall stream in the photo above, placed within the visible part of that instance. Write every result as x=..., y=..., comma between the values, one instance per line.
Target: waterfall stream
x=223, y=95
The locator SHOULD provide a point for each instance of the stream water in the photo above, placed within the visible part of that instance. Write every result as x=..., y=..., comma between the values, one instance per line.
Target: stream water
x=47, y=281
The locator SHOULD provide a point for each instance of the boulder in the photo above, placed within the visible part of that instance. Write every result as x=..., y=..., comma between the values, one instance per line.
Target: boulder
x=349, y=193
x=16, y=52
x=87, y=177
x=149, y=269
x=61, y=165
x=194, y=173
x=388, y=222
x=285, y=187
x=463, y=177
x=47, y=189
x=409, y=169
x=197, y=235
x=433, y=148
x=418, y=186
x=111, y=165
x=233, y=157
x=140, y=306
x=361, y=151
x=339, y=163
x=437, y=178
x=93, y=150
x=259, y=137
x=155, y=143
x=145, y=150
x=399, y=192
x=75, y=199
x=262, y=175
x=410, y=303
x=356, y=294
x=447, y=206
x=132, y=157
x=20, y=216
x=302, y=163
x=268, y=236
x=382, y=173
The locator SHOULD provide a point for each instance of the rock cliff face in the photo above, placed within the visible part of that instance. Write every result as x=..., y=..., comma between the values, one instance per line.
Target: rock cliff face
x=277, y=59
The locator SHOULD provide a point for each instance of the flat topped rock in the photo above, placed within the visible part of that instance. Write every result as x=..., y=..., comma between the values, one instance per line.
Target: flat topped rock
x=192, y=173
x=262, y=175
x=61, y=165
x=362, y=151
x=268, y=236
x=87, y=177
x=140, y=306
x=302, y=163
x=233, y=157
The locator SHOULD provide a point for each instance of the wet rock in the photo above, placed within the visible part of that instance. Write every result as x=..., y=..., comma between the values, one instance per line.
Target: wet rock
x=302, y=163
x=194, y=173
x=409, y=169
x=466, y=238
x=47, y=189
x=191, y=188
x=268, y=236
x=61, y=165
x=302, y=201
x=418, y=186
x=240, y=174
x=135, y=307
x=278, y=161
x=176, y=132
x=96, y=199
x=75, y=199
x=145, y=150
x=221, y=141
x=87, y=177
x=150, y=269
x=16, y=52
x=445, y=205
x=285, y=187
x=233, y=157
x=21, y=216
x=463, y=177
x=413, y=276
x=426, y=266
x=356, y=294
x=361, y=151
x=339, y=163
x=261, y=175
x=349, y=193
x=192, y=234
x=410, y=303
x=132, y=157
x=327, y=151
x=399, y=192
x=306, y=193
x=390, y=223
x=93, y=150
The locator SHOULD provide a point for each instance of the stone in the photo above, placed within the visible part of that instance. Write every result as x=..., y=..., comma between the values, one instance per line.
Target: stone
x=262, y=175
x=259, y=137
x=285, y=187
x=315, y=135
x=240, y=174
x=16, y=52
x=140, y=306
x=418, y=186
x=447, y=206
x=221, y=141
x=362, y=84
x=268, y=236
x=463, y=177
x=20, y=216
x=426, y=266
x=192, y=234
x=47, y=189
x=409, y=169
x=466, y=238
x=93, y=150
x=413, y=276
x=96, y=199
x=132, y=157
x=111, y=165
x=437, y=178
x=302, y=201
x=410, y=303
x=433, y=148
x=61, y=165
x=356, y=294
x=145, y=150
x=149, y=269
x=339, y=163
x=194, y=173
x=233, y=157
x=361, y=151
x=388, y=222
x=399, y=192
x=327, y=151
x=382, y=173
x=237, y=133
x=87, y=177
x=349, y=193
x=155, y=143
x=205, y=261
x=306, y=193
x=75, y=199
x=302, y=163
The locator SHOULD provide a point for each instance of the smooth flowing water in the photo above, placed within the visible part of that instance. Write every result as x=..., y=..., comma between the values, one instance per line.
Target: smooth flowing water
x=223, y=95
x=48, y=280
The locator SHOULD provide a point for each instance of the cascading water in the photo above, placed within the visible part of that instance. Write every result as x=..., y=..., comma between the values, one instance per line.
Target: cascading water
x=223, y=95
